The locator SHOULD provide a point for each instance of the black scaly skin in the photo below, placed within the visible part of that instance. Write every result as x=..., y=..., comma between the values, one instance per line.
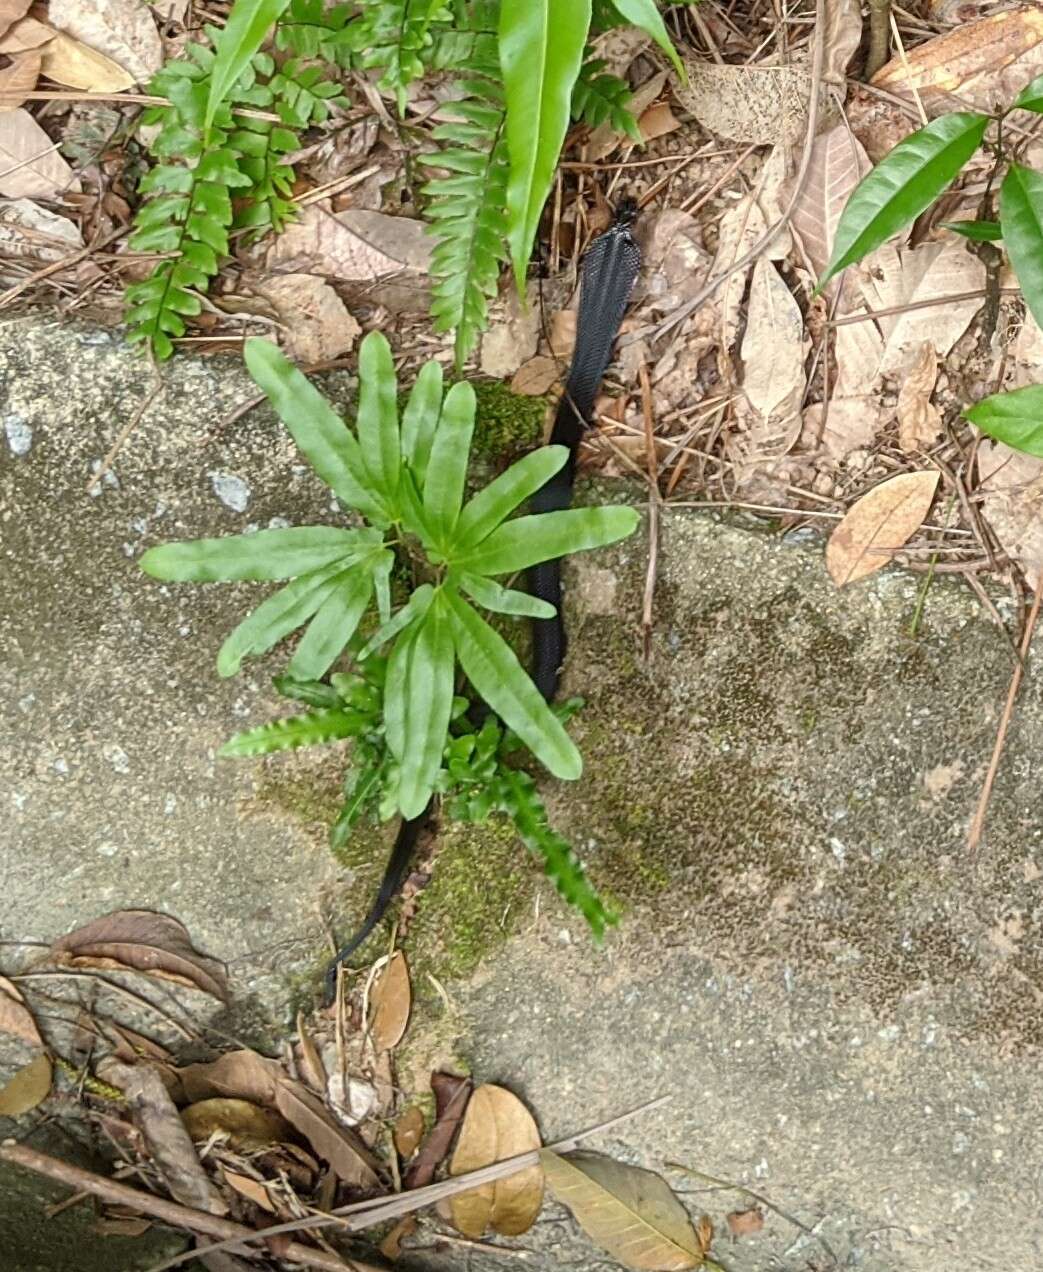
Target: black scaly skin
x=609, y=271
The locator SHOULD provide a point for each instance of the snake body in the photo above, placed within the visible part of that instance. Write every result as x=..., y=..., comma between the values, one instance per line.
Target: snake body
x=607, y=277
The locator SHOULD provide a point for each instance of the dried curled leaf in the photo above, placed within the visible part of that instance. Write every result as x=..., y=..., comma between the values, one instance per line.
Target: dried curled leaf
x=143, y=941
x=15, y=1016
x=497, y=1125
x=240, y=1075
x=409, y=1131
x=29, y=1087
x=392, y=999
x=451, y=1096
x=630, y=1213
x=344, y=1151
x=919, y=420
x=878, y=524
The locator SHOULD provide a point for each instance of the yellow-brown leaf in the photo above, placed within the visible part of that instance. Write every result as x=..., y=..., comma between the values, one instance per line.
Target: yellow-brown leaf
x=15, y=1017
x=878, y=525
x=496, y=1125
x=392, y=999
x=28, y=1088
x=246, y=1125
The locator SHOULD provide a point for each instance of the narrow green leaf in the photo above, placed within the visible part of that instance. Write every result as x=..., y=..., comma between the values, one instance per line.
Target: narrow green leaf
x=1021, y=221
x=276, y=617
x=645, y=15
x=378, y=414
x=447, y=467
x=354, y=805
x=1031, y=96
x=1015, y=418
x=242, y=35
x=317, y=429
x=413, y=610
x=546, y=535
x=266, y=554
x=976, y=231
x=420, y=418
x=312, y=692
x=309, y=729
x=429, y=700
x=395, y=692
x=504, y=600
x=495, y=672
x=541, y=52
x=334, y=625
x=495, y=502
x=907, y=180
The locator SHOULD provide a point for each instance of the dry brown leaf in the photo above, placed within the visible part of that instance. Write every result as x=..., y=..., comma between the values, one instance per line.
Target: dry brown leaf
x=67, y=61
x=740, y=227
x=252, y=1189
x=391, y=1246
x=704, y=1233
x=313, y=1071
x=630, y=1213
x=838, y=163
x=19, y=78
x=356, y=245
x=143, y=941
x=841, y=37
x=773, y=346
x=986, y=63
x=409, y=1131
x=317, y=325
x=605, y=139
x=1011, y=484
x=242, y=1075
x=15, y=1016
x=879, y=524
x=27, y=34
x=130, y=1045
x=537, y=376
x=247, y=1126
x=11, y=11
x=451, y=1096
x=751, y=104
x=116, y=1225
x=919, y=421
x=123, y=30
x=657, y=121
x=744, y=1223
x=344, y=1151
x=514, y=337
x=29, y=160
x=392, y=999
x=496, y=1125
x=675, y=262
x=29, y=1087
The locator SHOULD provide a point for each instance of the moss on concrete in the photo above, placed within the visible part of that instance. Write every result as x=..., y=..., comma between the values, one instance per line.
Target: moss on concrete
x=506, y=423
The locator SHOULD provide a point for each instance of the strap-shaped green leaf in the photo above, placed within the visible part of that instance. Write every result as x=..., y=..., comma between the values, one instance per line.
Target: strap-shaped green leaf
x=243, y=34
x=907, y=180
x=1021, y=222
x=413, y=610
x=429, y=700
x=276, y=617
x=378, y=414
x=545, y=536
x=267, y=554
x=976, y=231
x=504, y=600
x=541, y=52
x=447, y=467
x=495, y=672
x=1015, y=418
x=334, y=624
x=316, y=428
x=364, y=790
x=309, y=729
x=495, y=502
x=645, y=15
x=420, y=418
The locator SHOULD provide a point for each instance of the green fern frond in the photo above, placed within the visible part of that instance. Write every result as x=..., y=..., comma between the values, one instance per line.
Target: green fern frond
x=308, y=29
x=328, y=724
x=397, y=38
x=599, y=97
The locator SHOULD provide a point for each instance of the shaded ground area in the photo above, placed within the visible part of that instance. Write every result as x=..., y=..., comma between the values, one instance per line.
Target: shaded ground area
x=846, y=1008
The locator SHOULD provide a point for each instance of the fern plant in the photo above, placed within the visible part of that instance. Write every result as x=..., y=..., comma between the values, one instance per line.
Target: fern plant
x=406, y=478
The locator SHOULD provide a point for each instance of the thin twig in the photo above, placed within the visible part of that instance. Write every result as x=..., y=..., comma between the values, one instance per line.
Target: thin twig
x=171, y=1212
x=57, y=266
x=978, y=824
x=129, y=427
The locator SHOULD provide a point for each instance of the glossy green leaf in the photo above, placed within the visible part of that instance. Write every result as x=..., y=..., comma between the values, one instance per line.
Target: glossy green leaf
x=312, y=692
x=242, y=35
x=267, y=554
x=906, y=181
x=317, y=429
x=413, y=610
x=1021, y=220
x=429, y=700
x=309, y=729
x=364, y=790
x=544, y=536
x=395, y=692
x=1015, y=418
x=541, y=52
x=447, y=467
x=420, y=418
x=276, y=617
x=495, y=502
x=378, y=414
x=1031, y=96
x=504, y=600
x=495, y=672
x=976, y=231
x=334, y=624
x=645, y=15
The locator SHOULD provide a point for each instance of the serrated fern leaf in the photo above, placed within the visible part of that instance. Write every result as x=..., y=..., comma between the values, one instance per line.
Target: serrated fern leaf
x=599, y=98
x=396, y=37
x=560, y=863
x=308, y=29
x=310, y=729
